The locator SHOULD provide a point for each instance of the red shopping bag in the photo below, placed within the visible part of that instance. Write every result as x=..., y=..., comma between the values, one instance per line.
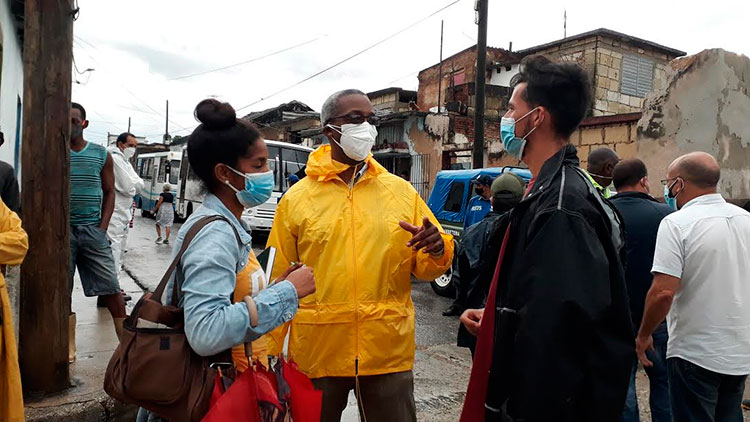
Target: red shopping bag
x=238, y=403
x=306, y=402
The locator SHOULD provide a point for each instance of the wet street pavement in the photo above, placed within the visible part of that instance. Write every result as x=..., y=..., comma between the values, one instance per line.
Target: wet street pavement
x=441, y=369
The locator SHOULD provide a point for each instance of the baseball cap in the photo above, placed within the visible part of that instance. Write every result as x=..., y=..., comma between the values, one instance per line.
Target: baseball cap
x=483, y=180
x=507, y=186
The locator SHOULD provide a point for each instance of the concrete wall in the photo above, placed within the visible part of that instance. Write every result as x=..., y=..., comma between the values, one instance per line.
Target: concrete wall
x=704, y=107
x=502, y=76
x=11, y=85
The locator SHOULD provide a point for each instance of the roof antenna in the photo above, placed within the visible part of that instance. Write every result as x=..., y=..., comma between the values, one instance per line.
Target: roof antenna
x=565, y=24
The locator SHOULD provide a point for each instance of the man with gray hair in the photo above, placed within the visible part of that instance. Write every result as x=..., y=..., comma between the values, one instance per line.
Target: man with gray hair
x=701, y=267
x=365, y=232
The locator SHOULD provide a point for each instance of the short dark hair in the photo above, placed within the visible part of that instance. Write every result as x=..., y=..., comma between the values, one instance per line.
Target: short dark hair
x=628, y=173
x=80, y=107
x=123, y=137
x=220, y=138
x=600, y=157
x=563, y=89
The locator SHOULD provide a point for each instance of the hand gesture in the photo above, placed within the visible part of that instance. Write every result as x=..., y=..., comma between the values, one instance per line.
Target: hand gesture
x=472, y=320
x=303, y=280
x=426, y=238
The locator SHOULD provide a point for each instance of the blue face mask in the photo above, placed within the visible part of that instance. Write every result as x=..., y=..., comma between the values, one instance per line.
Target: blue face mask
x=669, y=198
x=670, y=201
x=258, y=188
x=512, y=143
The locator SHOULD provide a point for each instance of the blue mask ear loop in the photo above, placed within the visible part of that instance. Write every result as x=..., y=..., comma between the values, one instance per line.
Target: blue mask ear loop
x=523, y=117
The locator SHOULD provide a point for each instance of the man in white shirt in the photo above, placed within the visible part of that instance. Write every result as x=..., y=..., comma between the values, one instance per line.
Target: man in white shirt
x=701, y=284
x=126, y=184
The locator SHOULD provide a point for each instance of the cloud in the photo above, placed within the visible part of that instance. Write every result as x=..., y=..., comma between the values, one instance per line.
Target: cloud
x=165, y=63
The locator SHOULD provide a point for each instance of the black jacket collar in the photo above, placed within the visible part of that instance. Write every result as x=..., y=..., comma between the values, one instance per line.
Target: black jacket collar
x=552, y=167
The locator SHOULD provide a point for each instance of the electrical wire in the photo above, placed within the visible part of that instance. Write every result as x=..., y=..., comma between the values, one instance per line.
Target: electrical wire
x=350, y=57
x=246, y=61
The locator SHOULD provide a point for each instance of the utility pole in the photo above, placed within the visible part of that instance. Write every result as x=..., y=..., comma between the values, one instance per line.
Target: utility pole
x=481, y=20
x=45, y=288
x=440, y=68
x=128, y=124
x=167, y=138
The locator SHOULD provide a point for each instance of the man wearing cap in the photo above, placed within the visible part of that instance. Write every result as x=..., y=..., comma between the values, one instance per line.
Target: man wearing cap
x=480, y=247
x=479, y=205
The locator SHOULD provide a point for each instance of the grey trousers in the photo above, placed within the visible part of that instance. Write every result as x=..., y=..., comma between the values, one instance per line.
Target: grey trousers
x=382, y=398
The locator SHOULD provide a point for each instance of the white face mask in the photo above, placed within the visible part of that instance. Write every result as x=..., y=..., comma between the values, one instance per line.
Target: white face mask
x=129, y=153
x=356, y=140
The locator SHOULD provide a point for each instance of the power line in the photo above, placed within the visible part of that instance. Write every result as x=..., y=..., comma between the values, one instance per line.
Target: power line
x=246, y=61
x=351, y=57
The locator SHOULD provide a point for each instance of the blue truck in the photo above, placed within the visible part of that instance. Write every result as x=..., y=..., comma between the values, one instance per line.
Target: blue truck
x=449, y=202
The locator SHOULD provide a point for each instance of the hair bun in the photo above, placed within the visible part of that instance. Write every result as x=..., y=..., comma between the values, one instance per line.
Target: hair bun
x=215, y=115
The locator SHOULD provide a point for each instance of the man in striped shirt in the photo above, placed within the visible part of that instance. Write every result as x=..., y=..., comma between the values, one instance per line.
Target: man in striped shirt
x=92, y=200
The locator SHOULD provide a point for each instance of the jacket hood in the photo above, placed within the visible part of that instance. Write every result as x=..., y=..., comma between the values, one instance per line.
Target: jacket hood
x=323, y=167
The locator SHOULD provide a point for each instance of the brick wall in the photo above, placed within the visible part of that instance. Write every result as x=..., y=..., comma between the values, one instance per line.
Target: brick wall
x=427, y=93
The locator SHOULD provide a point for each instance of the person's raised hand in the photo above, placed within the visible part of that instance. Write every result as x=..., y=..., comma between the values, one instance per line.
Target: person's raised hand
x=426, y=238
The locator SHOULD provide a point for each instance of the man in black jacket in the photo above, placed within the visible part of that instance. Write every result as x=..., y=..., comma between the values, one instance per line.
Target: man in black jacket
x=642, y=215
x=555, y=338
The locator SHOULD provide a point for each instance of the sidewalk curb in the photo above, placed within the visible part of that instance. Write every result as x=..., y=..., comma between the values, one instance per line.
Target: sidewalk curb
x=135, y=279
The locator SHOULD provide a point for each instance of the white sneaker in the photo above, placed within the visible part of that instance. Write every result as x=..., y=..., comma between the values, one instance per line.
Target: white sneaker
x=158, y=240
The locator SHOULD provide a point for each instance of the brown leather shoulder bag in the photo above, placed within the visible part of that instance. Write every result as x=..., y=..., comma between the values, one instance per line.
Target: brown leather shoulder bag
x=154, y=366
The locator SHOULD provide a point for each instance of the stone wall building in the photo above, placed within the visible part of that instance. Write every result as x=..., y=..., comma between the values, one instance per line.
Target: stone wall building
x=623, y=68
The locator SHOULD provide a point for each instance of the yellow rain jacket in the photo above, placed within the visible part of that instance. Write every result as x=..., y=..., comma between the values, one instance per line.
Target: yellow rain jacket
x=250, y=281
x=361, y=319
x=13, y=246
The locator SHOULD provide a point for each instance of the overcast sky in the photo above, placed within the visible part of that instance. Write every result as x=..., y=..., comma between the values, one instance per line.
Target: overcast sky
x=139, y=47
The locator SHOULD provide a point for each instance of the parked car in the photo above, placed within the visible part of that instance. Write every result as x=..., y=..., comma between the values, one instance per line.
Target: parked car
x=449, y=202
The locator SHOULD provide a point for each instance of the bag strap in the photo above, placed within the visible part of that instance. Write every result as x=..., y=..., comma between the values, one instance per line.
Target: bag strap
x=194, y=229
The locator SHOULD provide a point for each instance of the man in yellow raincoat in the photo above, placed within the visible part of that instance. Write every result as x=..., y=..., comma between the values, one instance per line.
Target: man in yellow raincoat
x=364, y=232
x=13, y=246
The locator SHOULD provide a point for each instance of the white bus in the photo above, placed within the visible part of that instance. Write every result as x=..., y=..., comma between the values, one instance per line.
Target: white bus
x=284, y=159
x=156, y=169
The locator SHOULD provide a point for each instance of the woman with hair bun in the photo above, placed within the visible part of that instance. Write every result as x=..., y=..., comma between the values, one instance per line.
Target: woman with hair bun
x=231, y=159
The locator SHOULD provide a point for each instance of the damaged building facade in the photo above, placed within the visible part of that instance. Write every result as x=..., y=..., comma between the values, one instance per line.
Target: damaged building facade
x=285, y=122
x=649, y=102
x=703, y=107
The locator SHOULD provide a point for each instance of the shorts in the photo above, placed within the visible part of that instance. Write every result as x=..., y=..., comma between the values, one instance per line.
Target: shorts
x=91, y=252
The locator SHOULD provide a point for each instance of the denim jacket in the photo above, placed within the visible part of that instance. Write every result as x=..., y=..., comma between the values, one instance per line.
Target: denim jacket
x=208, y=271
